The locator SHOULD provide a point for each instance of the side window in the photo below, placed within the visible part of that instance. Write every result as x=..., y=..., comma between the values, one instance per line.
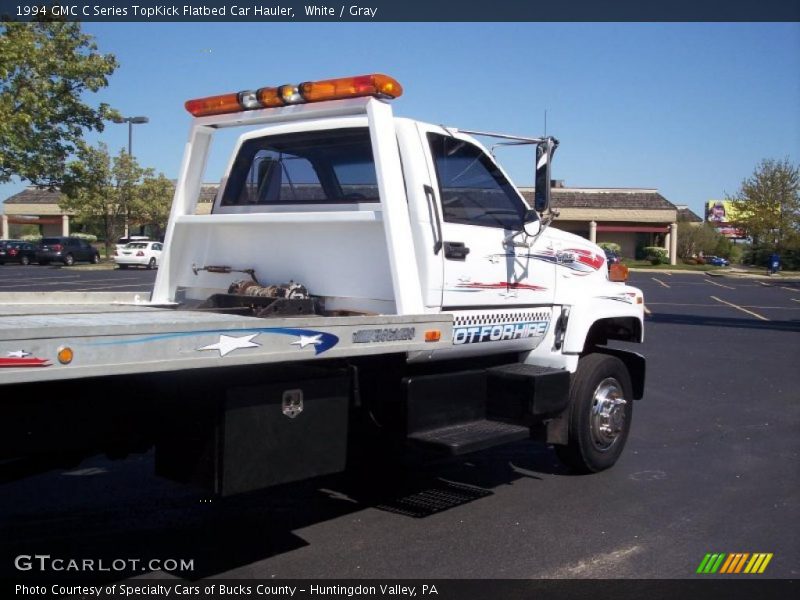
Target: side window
x=157, y=247
x=472, y=188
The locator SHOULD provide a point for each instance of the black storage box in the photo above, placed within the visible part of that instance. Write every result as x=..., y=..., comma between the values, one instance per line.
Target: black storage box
x=257, y=436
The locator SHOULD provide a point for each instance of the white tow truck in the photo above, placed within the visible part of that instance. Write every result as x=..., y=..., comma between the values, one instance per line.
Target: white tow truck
x=362, y=281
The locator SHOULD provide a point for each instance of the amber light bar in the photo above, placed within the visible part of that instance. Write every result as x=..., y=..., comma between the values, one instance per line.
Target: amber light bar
x=377, y=85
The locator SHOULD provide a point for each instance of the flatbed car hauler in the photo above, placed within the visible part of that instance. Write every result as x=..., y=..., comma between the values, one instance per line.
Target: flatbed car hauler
x=362, y=280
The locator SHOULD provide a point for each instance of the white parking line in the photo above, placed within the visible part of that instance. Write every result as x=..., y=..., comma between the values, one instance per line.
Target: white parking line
x=596, y=566
x=737, y=307
x=719, y=284
x=783, y=287
x=659, y=281
x=43, y=283
x=764, y=284
x=647, y=311
x=143, y=286
x=45, y=278
x=714, y=305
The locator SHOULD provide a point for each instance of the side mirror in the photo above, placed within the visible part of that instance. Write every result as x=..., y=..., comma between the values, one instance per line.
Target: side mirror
x=544, y=156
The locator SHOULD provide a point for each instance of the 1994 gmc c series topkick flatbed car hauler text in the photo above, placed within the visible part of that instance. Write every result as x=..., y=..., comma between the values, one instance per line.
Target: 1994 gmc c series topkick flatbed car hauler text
x=362, y=281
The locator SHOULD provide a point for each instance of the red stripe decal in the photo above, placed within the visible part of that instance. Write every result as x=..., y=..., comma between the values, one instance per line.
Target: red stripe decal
x=501, y=286
x=588, y=258
x=24, y=362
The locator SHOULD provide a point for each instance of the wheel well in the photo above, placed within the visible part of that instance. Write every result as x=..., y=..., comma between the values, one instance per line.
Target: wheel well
x=626, y=329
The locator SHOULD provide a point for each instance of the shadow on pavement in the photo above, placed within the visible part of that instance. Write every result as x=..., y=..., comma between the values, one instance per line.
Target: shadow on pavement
x=224, y=534
x=744, y=323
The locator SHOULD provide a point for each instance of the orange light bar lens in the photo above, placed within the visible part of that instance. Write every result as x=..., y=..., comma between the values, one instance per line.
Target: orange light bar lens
x=269, y=97
x=214, y=105
x=618, y=272
x=351, y=87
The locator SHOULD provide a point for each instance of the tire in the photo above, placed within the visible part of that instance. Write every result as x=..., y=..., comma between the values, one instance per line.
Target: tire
x=152, y=263
x=598, y=423
x=96, y=259
x=69, y=260
x=24, y=260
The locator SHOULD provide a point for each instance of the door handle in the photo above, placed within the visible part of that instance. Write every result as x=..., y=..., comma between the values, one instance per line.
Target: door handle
x=455, y=250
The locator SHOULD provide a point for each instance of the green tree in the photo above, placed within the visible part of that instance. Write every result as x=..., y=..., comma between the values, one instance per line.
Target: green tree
x=152, y=203
x=768, y=208
x=113, y=192
x=89, y=191
x=46, y=70
x=696, y=238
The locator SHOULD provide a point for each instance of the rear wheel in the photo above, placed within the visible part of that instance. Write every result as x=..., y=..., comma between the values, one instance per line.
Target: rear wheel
x=601, y=408
x=24, y=260
x=96, y=259
x=69, y=260
x=152, y=263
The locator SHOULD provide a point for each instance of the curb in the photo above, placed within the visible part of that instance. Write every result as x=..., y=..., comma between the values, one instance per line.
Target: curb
x=90, y=267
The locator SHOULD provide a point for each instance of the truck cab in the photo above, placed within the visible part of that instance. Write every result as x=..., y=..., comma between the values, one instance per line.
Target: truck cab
x=376, y=214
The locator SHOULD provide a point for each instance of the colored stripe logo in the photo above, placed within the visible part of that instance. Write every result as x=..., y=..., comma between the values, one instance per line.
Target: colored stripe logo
x=733, y=563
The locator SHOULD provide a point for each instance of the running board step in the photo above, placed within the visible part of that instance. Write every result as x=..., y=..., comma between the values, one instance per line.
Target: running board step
x=471, y=436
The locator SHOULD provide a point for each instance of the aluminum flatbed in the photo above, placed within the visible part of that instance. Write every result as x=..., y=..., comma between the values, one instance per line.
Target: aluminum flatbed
x=114, y=334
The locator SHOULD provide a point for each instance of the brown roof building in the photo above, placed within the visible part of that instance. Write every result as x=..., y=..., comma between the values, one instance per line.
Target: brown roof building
x=631, y=217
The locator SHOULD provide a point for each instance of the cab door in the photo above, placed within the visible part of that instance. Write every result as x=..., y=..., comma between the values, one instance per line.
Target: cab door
x=480, y=209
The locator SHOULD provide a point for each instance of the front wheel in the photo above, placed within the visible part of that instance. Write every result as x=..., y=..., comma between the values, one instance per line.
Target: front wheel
x=96, y=259
x=69, y=260
x=601, y=408
x=152, y=263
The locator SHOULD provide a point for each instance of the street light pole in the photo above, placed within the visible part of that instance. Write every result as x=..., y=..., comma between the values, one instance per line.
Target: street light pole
x=131, y=121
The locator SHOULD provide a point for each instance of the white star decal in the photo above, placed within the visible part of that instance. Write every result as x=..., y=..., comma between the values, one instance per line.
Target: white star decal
x=17, y=354
x=308, y=340
x=227, y=344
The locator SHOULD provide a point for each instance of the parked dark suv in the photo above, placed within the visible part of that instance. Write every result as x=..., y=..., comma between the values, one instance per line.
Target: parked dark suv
x=18, y=251
x=66, y=250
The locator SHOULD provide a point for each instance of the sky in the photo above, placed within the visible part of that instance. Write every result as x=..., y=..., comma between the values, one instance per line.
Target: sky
x=689, y=109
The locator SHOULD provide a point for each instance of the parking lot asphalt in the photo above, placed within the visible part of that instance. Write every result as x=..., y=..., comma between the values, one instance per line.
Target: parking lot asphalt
x=79, y=278
x=712, y=465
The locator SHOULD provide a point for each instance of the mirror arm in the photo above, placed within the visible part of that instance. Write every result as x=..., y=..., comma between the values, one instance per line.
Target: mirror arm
x=510, y=241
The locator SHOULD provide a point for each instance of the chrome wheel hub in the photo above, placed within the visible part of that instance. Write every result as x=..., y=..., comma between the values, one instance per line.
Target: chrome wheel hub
x=607, y=419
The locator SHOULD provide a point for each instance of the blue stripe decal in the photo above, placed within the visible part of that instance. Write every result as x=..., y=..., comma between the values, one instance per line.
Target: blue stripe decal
x=328, y=340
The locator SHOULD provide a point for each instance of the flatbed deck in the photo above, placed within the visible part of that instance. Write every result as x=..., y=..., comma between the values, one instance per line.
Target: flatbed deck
x=115, y=334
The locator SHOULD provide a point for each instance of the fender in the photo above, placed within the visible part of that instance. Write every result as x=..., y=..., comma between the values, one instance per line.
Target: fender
x=602, y=318
x=636, y=365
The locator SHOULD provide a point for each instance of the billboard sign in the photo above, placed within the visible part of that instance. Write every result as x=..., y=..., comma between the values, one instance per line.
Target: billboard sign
x=723, y=214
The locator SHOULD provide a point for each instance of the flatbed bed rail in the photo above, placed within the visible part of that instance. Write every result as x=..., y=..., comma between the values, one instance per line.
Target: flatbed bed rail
x=121, y=334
